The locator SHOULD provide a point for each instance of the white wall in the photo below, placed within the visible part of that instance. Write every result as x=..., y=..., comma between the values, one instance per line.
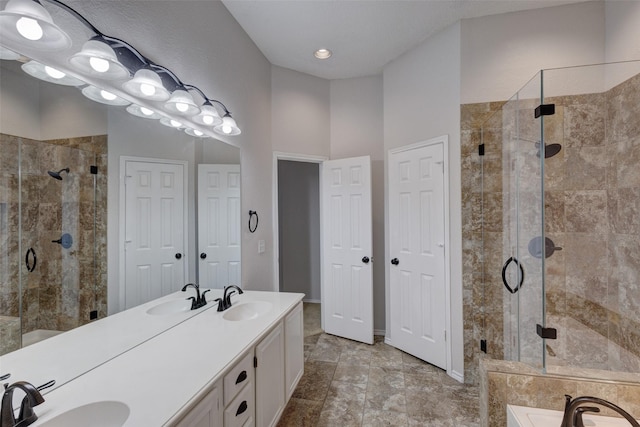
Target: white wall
x=42, y=111
x=422, y=101
x=357, y=130
x=300, y=112
x=621, y=39
x=622, y=30
x=500, y=53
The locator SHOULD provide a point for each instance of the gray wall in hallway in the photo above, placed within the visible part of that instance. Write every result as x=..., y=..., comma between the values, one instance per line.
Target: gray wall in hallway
x=299, y=227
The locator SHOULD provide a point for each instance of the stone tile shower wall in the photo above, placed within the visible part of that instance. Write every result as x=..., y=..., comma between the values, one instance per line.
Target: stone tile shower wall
x=62, y=290
x=592, y=211
x=482, y=287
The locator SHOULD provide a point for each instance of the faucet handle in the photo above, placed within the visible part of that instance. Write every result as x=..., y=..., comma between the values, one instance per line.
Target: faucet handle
x=577, y=417
x=221, y=305
x=203, y=300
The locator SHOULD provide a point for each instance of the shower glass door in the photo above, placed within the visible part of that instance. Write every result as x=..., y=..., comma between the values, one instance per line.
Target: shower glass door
x=522, y=208
x=47, y=241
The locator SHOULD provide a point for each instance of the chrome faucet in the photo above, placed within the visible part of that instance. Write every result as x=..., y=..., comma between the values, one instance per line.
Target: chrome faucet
x=225, y=302
x=26, y=416
x=573, y=410
x=199, y=300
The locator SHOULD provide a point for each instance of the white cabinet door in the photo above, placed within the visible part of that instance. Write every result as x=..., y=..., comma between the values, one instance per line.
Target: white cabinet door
x=294, y=349
x=207, y=413
x=270, y=393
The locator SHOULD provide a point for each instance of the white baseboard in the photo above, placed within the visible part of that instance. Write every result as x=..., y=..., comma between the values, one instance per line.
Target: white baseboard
x=379, y=332
x=315, y=301
x=456, y=376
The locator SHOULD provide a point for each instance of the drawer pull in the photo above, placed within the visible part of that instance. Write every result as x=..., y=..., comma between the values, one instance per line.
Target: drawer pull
x=242, y=408
x=241, y=377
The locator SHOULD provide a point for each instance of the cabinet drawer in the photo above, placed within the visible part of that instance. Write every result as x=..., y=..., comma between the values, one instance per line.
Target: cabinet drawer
x=240, y=375
x=241, y=409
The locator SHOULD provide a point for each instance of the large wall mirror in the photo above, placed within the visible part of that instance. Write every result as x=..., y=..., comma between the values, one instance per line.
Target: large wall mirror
x=60, y=208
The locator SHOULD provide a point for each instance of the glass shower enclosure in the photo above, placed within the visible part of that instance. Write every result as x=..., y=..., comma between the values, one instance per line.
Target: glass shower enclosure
x=561, y=220
x=48, y=268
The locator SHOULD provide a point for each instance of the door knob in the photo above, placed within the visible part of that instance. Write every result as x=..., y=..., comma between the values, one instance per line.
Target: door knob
x=178, y=255
x=365, y=259
x=395, y=261
x=203, y=255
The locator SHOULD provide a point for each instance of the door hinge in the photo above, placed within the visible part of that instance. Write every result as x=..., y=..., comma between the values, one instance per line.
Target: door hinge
x=445, y=334
x=544, y=110
x=255, y=362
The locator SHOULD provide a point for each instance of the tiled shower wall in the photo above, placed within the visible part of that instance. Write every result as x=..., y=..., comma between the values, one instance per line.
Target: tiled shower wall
x=592, y=206
x=61, y=291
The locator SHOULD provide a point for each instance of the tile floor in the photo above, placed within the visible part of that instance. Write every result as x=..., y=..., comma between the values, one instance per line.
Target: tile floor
x=347, y=383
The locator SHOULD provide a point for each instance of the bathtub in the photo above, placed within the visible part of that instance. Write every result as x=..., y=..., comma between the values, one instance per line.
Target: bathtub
x=523, y=416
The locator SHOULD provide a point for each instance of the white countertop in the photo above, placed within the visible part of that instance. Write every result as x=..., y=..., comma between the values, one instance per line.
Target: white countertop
x=75, y=352
x=159, y=377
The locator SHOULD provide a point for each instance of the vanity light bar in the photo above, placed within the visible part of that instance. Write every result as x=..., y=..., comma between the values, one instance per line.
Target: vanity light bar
x=26, y=24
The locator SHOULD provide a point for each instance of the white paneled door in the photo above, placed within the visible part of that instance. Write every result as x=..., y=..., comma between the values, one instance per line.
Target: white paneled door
x=347, y=285
x=155, y=238
x=219, y=225
x=417, y=250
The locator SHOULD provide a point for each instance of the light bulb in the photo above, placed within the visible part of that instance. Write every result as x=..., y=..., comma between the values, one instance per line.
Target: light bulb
x=197, y=132
x=208, y=120
x=182, y=107
x=146, y=111
x=52, y=72
x=175, y=123
x=29, y=28
x=107, y=95
x=147, y=89
x=99, y=65
x=226, y=129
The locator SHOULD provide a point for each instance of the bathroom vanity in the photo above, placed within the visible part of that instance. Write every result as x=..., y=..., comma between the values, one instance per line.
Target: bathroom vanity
x=206, y=368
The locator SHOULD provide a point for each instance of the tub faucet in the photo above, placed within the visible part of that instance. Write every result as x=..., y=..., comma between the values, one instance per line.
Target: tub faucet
x=573, y=410
x=199, y=300
x=225, y=302
x=26, y=416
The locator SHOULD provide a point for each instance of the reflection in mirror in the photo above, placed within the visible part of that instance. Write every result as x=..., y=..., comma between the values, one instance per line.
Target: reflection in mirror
x=48, y=287
x=52, y=208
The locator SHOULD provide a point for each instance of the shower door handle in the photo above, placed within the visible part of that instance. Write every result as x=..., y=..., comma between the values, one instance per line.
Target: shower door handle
x=520, y=275
x=30, y=266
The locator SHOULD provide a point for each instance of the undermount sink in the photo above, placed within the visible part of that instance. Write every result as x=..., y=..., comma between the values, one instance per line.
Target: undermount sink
x=247, y=310
x=170, y=307
x=97, y=414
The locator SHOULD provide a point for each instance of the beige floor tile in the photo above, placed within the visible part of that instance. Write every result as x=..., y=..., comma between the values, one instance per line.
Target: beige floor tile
x=347, y=383
x=300, y=413
x=315, y=381
x=376, y=418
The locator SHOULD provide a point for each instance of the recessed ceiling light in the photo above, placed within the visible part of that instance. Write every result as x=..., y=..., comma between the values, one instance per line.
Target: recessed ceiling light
x=322, y=53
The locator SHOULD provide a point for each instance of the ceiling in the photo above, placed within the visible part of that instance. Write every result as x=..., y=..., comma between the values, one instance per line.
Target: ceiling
x=364, y=35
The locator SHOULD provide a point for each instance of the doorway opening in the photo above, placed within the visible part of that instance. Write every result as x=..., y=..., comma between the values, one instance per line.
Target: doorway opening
x=299, y=228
